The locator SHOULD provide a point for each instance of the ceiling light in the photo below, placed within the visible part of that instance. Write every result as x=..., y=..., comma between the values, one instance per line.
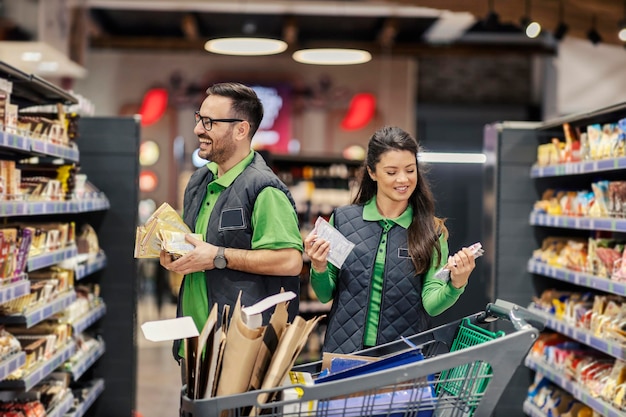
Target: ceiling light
x=246, y=46
x=332, y=56
x=492, y=20
x=561, y=28
x=622, y=35
x=593, y=35
x=452, y=158
x=31, y=56
x=48, y=66
x=533, y=30
x=530, y=27
x=39, y=58
x=560, y=31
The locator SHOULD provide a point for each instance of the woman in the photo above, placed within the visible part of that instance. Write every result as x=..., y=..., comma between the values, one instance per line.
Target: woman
x=386, y=287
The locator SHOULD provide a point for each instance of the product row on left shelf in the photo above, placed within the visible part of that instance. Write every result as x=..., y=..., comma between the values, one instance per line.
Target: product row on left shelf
x=33, y=136
x=46, y=343
x=49, y=292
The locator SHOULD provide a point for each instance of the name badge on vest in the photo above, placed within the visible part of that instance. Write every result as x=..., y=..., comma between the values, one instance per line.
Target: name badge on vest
x=232, y=219
x=403, y=253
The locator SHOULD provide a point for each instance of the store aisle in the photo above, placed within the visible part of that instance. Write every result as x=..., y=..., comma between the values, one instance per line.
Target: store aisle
x=158, y=375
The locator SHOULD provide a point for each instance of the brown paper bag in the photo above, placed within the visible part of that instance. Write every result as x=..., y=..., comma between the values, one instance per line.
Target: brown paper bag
x=289, y=347
x=271, y=338
x=240, y=353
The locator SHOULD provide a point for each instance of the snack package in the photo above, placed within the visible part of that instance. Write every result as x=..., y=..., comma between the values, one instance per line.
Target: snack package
x=444, y=273
x=148, y=237
x=175, y=242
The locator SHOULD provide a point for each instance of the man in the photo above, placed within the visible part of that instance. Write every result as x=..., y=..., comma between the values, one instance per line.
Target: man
x=245, y=213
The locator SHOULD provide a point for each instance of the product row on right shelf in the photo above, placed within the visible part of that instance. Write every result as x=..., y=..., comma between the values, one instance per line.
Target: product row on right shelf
x=559, y=240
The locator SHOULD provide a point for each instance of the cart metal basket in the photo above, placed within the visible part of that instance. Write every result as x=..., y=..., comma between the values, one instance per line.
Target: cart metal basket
x=464, y=373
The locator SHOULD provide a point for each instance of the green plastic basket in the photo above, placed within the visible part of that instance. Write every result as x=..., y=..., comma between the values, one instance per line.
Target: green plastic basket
x=468, y=380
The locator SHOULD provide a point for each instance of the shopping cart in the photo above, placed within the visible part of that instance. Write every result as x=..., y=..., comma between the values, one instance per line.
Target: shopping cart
x=465, y=369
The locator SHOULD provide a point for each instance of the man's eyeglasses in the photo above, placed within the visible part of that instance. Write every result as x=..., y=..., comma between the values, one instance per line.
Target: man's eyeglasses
x=207, y=122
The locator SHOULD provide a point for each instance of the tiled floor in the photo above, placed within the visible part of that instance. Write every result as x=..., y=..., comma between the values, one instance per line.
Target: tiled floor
x=158, y=375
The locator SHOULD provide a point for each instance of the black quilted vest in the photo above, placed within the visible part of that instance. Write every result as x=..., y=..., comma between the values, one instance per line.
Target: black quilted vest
x=401, y=314
x=230, y=226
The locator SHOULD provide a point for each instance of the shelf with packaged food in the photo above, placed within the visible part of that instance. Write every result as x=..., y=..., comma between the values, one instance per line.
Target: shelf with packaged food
x=64, y=405
x=14, y=288
x=108, y=142
x=611, y=347
x=89, y=318
x=579, y=278
x=15, y=208
x=40, y=312
x=517, y=225
x=37, y=372
x=11, y=363
x=89, y=394
x=77, y=366
x=577, y=390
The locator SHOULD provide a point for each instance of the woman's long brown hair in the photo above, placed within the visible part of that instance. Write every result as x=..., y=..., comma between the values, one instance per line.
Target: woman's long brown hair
x=425, y=228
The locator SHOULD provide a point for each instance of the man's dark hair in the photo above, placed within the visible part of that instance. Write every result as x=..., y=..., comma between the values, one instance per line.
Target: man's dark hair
x=245, y=102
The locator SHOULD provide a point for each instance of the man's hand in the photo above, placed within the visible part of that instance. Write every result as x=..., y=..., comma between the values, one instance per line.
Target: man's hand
x=281, y=262
x=199, y=259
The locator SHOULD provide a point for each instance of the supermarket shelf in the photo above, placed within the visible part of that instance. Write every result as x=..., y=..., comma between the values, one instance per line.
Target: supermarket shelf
x=581, y=223
x=579, y=392
x=609, y=347
x=78, y=369
x=532, y=410
x=32, y=317
x=92, y=265
x=14, y=142
x=578, y=278
x=90, y=398
x=10, y=364
x=63, y=407
x=41, y=370
x=574, y=168
x=13, y=208
x=51, y=258
x=42, y=147
x=31, y=90
x=15, y=289
x=89, y=318
x=97, y=202
x=52, y=149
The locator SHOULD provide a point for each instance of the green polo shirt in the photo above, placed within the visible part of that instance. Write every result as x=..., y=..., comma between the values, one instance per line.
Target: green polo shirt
x=278, y=230
x=437, y=295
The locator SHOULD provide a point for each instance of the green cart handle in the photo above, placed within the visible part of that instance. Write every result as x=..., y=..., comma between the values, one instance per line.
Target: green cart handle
x=520, y=317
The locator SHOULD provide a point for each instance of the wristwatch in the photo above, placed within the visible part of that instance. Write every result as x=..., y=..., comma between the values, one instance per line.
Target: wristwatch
x=220, y=261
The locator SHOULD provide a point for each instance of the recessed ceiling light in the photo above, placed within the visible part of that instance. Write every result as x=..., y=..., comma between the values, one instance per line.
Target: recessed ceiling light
x=332, y=56
x=48, y=66
x=246, y=46
x=31, y=56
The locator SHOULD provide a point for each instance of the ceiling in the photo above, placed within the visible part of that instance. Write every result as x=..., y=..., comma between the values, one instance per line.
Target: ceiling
x=389, y=27
x=398, y=27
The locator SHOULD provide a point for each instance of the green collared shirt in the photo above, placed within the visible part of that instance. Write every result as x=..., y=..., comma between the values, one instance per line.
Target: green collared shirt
x=276, y=231
x=437, y=295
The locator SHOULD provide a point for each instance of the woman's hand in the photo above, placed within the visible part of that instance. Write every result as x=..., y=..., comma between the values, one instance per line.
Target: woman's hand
x=317, y=249
x=461, y=265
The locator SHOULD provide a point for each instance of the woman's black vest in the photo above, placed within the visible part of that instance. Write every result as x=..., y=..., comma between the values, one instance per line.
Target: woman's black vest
x=401, y=310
